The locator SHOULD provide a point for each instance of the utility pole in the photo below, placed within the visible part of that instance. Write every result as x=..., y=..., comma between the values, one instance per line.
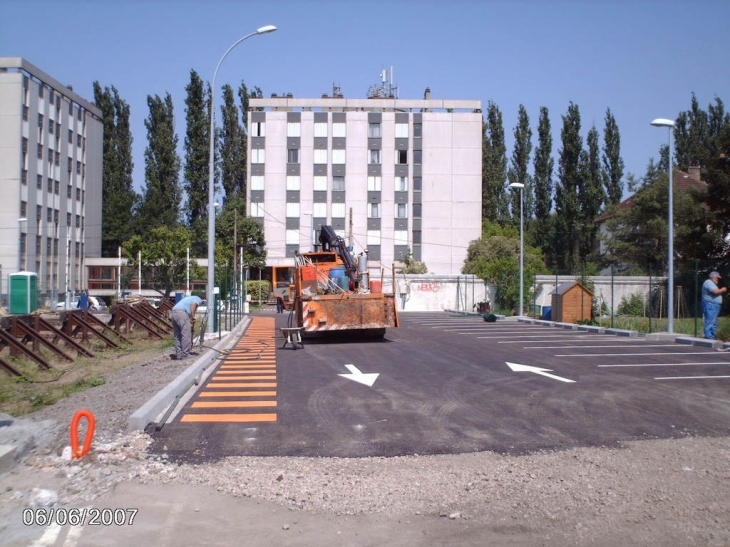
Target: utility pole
x=235, y=250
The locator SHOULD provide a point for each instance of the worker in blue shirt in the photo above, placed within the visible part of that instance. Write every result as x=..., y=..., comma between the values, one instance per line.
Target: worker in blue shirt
x=711, y=303
x=183, y=317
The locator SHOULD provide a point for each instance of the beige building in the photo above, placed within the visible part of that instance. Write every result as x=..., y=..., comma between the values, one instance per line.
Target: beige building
x=388, y=174
x=51, y=177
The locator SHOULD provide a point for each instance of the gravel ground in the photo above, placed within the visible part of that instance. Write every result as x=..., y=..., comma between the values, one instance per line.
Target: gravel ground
x=669, y=492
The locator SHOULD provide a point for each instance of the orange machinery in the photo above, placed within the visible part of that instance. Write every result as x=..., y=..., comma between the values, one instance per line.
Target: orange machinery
x=332, y=292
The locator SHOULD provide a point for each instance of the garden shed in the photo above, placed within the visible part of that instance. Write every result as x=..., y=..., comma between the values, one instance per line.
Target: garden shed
x=571, y=302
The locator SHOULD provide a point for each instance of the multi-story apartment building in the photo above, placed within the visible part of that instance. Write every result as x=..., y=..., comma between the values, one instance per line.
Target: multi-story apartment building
x=388, y=174
x=51, y=177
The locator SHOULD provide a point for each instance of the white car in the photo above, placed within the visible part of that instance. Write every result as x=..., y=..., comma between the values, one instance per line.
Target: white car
x=95, y=304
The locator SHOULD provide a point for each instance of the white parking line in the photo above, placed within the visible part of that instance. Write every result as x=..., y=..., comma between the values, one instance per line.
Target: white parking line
x=623, y=354
x=690, y=377
x=549, y=336
x=666, y=364
x=592, y=346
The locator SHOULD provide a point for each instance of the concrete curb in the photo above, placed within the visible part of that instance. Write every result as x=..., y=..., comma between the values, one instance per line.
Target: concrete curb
x=156, y=406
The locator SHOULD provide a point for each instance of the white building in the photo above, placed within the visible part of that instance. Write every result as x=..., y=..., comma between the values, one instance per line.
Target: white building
x=388, y=174
x=51, y=178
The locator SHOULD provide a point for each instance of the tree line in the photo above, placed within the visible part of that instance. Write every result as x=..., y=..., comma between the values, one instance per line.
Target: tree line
x=562, y=199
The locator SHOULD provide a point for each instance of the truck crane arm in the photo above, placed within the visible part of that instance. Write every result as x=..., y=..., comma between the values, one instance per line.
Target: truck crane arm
x=331, y=241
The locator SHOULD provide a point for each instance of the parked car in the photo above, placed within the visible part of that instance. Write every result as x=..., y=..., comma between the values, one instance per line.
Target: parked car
x=95, y=304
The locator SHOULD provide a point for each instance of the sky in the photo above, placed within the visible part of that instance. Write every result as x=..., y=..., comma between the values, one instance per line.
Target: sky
x=643, y=59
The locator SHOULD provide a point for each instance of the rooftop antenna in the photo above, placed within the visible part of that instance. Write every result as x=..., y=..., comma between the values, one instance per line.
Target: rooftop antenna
x=386, y=89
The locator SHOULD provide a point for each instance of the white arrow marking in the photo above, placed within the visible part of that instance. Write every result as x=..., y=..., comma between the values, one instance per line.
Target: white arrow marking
x=537, y=370
x=355, y=374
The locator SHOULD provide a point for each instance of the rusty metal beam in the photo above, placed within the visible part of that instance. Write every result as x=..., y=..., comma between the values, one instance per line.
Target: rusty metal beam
x=43, y=325
x=18, y=326
x=74, y=322
x=134, y=317
x=92, y=320
x=7, y=339
x=8, y=368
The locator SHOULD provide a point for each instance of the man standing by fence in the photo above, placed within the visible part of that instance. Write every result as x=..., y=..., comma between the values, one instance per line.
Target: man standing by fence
x=711, y=303
x=183, y=317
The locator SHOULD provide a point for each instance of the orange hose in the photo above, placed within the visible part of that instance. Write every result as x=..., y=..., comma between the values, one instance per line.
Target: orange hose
x=75, y=452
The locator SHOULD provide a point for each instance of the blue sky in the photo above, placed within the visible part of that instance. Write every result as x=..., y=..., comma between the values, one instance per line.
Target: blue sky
x=641, y=58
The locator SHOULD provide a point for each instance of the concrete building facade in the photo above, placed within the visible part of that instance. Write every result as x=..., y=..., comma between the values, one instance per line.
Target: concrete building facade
x=51, y=178
x=390, y=175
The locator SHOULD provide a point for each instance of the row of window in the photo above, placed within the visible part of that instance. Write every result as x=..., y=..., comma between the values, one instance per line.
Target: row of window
x=374, y=237
x=339, y=130
x=339, y=156
x=52, y=214
x=53, y=98
x=339, y=210
x=319, y=183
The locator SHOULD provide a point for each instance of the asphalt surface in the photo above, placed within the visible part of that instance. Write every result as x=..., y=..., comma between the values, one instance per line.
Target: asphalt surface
x=445, y=385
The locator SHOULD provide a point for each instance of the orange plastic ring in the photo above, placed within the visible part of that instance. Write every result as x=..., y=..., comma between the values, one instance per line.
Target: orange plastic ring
x=75, y=452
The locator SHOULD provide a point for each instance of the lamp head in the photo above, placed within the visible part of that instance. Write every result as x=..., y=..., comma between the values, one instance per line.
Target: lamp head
x=662, y=122
x=517, y=185
x=266, y=29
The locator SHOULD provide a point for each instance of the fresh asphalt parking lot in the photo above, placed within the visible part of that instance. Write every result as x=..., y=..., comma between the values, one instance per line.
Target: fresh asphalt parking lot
x=445, y=383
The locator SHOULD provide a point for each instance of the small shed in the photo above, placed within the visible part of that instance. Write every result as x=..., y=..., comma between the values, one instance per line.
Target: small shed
x=571, y=302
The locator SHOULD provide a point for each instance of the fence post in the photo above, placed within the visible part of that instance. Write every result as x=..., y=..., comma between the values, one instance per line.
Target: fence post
x=612, y=293
x=697, y=292
x=651, y=307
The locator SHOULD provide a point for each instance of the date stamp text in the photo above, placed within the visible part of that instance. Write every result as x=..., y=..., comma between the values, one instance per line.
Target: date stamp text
x=79, y=516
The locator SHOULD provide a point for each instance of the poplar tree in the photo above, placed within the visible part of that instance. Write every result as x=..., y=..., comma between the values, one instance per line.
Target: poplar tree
x=691, y=134
x=566, y=191
x=590, y=194
x=160, y=205
x=543, y=181
x=197, y=156
x=519, y=165
x=118, y=195
x=233, y=150
x=495, y=204
x=613, y=164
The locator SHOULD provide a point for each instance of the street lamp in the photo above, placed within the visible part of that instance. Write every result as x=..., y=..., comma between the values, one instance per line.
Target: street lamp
x=521, y=186
x=20, y=242
x=662, y=122
x=211, y=177
x=310, y=214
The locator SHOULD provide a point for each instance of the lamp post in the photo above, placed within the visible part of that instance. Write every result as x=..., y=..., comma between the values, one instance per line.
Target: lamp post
x=521, y=186
x=20, y=242
x=311, y=231
x=211, y=176
x=662, y=122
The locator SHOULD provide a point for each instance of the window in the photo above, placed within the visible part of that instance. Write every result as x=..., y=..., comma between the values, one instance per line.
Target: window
x=400, y=237
x=320, y=129
x=258, y=155
x=374, y=157
x=257, y=209
x=401, y=184
x=78, y=194
x=292, y=237
x=70, y=164
x=25, y=113
x=293, y=129
x=417, y=129
x=78, y=167
x=339, y=129
x=40, y=121
x=23, y=209
x=373, y=210
x=40, y=151
x=401, y=157
x=25, y=145
x=401, y=131
x=24, y=176
x=320, y=156
x=417, y=184
x=292, y=210
x=416, y=237
x=49, y=214
x=417, y=210
x=401, y=210
x=69, y=191
x=39, y=182
x=374, y=130
x=56, y=187
x=257, y=182
x=375, y=184
x=319, y=210
x=78, y=141
x=417, y=157
x=50, y=155
x=258, y=129
x=338, y=157
x=338, y=184
x=70, y=110
x=373, y=237
x=39, y=212
x=292, y=155
x=38, y=244
x=338, y=210
x=51, y=125
x=320, y=183
x=78, y=221
x=57, y=158
x=49, y=184
x=293, y=182
x=50, y=96
x=70, y=136
x=68, y=219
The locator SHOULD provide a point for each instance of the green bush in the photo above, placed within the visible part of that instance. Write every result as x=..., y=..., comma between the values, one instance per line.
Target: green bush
x=633, y=305
x=259, y=290
x=723, y=329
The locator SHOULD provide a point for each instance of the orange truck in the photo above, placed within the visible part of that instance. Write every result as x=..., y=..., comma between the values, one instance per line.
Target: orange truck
x=331, y=291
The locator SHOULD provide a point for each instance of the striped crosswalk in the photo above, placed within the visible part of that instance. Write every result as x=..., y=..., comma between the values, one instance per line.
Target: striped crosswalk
x=244, y=387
